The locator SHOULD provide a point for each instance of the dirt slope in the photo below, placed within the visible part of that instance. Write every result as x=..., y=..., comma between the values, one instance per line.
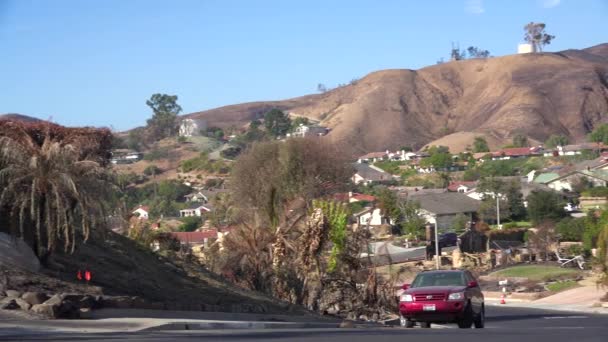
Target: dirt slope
x=536, y=94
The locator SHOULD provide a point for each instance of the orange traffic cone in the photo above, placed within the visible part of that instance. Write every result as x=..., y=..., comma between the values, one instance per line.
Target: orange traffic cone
x=502, y=299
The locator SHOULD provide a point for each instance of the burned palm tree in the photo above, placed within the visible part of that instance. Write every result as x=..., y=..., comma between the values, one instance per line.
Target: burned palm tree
x=53, y=189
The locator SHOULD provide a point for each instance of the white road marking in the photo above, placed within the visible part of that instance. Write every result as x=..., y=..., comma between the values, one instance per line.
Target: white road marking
x=564, y=317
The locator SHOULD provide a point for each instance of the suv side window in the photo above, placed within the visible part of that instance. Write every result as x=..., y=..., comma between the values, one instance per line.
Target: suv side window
x=468, y=276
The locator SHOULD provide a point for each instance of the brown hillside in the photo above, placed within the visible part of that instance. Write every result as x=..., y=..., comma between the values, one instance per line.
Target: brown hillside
x=536, y=94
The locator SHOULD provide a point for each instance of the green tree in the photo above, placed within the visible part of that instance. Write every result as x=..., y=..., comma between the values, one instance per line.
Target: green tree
x=165, y=109
x=277, y=123
x=536, y=35
x=475, y=52
x=556, y=140
x=571, y=229
x=545, y=205
x=460, y=222
x=412, y=223
x=599, y=134
x=520, y=140
x=388, y=203
x=300, y=120
x=480, y=145
x=439, y=158
x=190, y=223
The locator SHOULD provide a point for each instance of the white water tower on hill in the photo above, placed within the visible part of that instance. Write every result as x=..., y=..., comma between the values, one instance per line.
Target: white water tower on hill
x=525, y=48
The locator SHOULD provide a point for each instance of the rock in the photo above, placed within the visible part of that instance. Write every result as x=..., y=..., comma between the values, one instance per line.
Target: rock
x=46, y=310
x=13, y=294
x=351, y=316
x=34, y=298
x=363, y=318
x=10, y=304
x=23, y=304
x=54, y=300
x=375, y=317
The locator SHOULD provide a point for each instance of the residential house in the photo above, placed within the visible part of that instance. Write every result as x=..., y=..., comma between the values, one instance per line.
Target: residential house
x=191, y=127
x=545, y=178
x=195, y=210
x=197, y=196
x=575, y=149
x=193, y=242
x=373, y=157
x=309, y=131
x=517, y=152
x=371, y=216
x=369, y=174
x=569, y=180
x=142, y=212
x=462, y=186
x=442, y=209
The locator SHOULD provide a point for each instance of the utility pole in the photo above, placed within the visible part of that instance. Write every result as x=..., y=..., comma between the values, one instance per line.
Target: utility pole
x=498, y=211
x=436, y=247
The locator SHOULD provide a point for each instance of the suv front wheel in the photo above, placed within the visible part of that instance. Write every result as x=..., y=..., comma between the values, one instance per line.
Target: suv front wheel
x=480, y=320
x=467, y=319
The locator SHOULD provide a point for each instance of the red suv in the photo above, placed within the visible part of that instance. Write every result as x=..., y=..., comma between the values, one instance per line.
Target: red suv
x=442, y=297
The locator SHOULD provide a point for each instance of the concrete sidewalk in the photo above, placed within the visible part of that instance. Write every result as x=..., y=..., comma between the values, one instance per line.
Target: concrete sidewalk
x=581, y=299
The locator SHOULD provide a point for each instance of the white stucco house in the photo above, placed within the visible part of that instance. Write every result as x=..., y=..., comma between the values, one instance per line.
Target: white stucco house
x=196, y=210
x=309, y=131
x=371, y=216
x=191, y=127
x=142, y=212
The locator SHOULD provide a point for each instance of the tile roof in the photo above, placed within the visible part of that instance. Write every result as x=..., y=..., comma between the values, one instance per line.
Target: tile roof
x=364, y=197
x=516, y=151
x=195, y=237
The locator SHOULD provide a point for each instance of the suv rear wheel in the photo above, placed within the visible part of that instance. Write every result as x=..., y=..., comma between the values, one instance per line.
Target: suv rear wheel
x=480, y=320
x=425, y=325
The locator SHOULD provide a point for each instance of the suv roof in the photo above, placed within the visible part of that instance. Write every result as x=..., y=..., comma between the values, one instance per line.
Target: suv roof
x=442, y=271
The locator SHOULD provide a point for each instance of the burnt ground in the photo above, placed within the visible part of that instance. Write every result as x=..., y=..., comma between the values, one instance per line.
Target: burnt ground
x=121, y=267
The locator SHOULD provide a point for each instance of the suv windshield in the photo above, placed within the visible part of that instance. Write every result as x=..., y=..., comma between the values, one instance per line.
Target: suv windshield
x=439, y=279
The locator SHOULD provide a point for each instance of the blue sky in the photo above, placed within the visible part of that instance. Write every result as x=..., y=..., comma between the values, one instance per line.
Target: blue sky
x=96, y=62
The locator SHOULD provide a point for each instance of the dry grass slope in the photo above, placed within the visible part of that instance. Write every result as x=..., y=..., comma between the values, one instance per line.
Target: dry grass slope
x=536, y=94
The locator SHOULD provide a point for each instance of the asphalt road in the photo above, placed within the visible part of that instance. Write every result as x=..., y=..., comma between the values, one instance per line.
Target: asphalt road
x=503, y=324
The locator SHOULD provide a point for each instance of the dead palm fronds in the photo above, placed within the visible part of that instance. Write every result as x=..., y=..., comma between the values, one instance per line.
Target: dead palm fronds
x=51, y=190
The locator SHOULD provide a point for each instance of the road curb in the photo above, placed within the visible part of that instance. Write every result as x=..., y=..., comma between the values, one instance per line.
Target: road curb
x=219, y=325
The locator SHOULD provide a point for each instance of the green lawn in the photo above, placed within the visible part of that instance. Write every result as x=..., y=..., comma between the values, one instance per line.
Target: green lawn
x=536, y=272
x=562, y=285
